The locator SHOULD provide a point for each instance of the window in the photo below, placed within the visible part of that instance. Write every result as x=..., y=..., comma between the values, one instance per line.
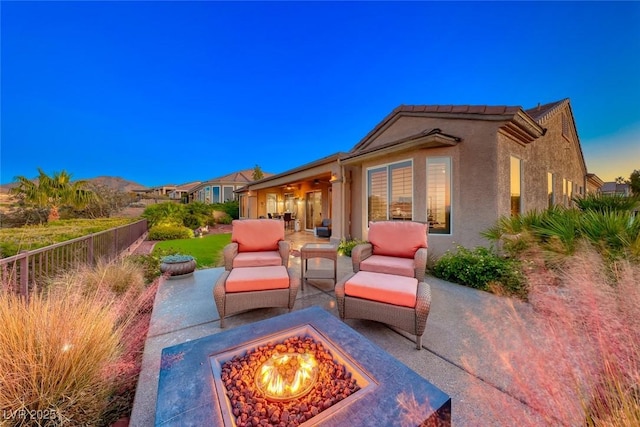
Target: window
x=516, y=186
x=390, y=192
x=439, y=195
x=551, y=182
x=401, y=197
x=227, y=193
x=215, y=198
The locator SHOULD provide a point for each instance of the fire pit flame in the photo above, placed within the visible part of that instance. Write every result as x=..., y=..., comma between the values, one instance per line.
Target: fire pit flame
x=287, y=376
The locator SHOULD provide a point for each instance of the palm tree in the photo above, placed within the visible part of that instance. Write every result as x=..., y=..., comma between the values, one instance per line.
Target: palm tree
x=53, y=192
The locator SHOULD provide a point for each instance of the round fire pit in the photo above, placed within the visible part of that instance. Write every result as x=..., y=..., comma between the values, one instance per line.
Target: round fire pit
x=284, y=377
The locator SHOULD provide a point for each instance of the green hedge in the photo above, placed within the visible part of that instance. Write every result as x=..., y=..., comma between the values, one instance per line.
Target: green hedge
x=170, y=232
x=481, y=269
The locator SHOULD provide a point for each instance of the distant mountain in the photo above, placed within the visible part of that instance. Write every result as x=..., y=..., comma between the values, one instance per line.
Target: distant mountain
x=114, y=182
x=117, y=183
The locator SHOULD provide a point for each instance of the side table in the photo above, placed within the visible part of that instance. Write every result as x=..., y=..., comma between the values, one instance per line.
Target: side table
x=317, y=250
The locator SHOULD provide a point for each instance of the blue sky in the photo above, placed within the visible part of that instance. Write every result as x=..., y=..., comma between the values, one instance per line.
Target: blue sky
x=173, y=92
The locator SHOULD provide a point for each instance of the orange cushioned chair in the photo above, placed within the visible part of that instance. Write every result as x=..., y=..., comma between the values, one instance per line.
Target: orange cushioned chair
x=256, y=269
x=388, y=281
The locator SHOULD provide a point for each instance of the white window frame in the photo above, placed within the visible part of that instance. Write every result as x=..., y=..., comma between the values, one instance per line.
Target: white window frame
x=387, y=165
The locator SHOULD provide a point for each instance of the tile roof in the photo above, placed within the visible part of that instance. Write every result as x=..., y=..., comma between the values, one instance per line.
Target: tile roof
x=468, y=109
x=240, y=176
x=542, y=112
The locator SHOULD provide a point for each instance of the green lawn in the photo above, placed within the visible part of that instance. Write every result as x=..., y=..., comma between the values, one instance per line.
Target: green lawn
x=206, y=250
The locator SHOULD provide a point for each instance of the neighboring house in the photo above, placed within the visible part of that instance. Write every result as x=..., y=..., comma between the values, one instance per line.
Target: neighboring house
x=181, y=192
x=615, y=189
x=221, y=189
x=460, y=168
x=594, y=183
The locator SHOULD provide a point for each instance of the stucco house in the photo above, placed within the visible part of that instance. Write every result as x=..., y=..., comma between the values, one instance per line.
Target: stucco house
x=222, y=188
x=459, y=168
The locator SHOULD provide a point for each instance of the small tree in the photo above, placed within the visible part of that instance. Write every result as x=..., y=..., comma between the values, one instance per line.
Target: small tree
x=634, y=182
x=257, y=173
x=53, y=192
x=619, y=180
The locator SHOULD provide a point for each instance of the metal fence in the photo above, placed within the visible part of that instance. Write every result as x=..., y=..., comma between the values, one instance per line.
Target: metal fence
x=23, y=272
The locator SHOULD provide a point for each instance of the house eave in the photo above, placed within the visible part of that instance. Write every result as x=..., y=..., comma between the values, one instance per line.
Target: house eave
x=421, y=141
x=523, y=128
x=282, y=177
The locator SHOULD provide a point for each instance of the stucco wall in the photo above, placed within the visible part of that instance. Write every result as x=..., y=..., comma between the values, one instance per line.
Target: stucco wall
x=551, y=152
x=474, y=178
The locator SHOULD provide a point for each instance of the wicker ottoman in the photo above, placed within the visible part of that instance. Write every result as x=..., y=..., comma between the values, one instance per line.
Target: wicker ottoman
x=410, y=319
x=247, y=288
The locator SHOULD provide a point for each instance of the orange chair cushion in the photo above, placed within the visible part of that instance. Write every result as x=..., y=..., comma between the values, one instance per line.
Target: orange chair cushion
x=245, y=279
x=254, y=235
x=397, y=238
x=386, y=288
x=389, y=265
x=257, y=259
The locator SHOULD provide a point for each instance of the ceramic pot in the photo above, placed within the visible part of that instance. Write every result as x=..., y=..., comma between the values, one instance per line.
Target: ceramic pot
x=177, y=270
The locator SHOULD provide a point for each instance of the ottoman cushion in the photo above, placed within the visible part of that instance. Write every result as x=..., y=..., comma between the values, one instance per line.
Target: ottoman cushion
x=243, y=279
x=386, y=288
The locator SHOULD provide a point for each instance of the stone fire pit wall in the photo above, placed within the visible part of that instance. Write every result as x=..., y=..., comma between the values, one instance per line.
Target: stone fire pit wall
x=187, y=393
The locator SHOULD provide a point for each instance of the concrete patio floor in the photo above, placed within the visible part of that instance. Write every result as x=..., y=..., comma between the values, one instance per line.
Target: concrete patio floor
x=184, y=310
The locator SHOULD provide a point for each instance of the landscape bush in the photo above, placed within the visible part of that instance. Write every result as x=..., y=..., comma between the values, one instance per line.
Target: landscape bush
x=170, y=232
x=231, y=207
x=191, y=215
x=166, y=213
x=598, y=202
x=614, y=232
x=150, y=263
x=345, y=247
x=224, y=219
x=480, y=268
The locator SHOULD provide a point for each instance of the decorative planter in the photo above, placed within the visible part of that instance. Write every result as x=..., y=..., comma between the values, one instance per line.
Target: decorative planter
x=178, y=266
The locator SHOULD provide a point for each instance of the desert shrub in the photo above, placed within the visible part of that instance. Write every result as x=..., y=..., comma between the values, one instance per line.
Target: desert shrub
x=224, y=219
x=345, y=247
x=120, y=277
x=167, y=213
x=231, y=207
x=610, y=231
x=170, y=232
x=615, y=233
x=150, y=263
x=481, y=269
x=603, y=203
x=54, y=354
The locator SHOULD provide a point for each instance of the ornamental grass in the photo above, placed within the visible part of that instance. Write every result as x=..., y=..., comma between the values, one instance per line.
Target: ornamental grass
x=72, y=355
x=573, y=353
